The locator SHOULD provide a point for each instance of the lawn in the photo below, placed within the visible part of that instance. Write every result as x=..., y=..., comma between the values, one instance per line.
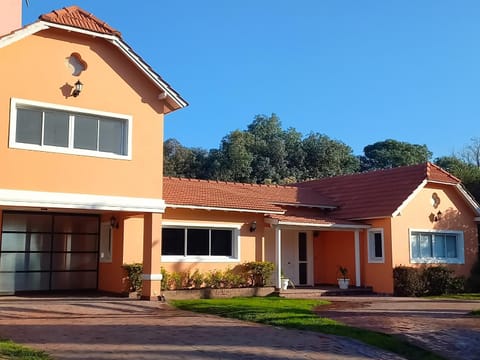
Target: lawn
x=11, y=351
x=299, y=314
x=471, y=296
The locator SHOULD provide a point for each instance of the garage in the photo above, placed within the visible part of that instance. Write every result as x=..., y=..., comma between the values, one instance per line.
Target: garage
x=48, y=252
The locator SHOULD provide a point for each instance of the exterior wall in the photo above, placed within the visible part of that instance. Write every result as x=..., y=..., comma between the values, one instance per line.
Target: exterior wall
x=35, y=68
x=333, y=249
x=10, y=15
x=251, y=243
x=378, y=275
x=456, y=215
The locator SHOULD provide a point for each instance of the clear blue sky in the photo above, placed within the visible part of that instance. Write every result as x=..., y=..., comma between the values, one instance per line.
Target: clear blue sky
x=357, y=71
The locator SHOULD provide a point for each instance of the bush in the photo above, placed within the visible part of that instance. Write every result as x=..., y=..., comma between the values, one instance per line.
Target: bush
x=407, y=281
x=473, y=282
x=134, y=276
x=259, y=272
x=429, y=280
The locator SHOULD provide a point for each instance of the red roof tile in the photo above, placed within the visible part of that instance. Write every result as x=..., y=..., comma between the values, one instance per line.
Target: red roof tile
x=79, y=18
x=266, y=198
x=376, y=193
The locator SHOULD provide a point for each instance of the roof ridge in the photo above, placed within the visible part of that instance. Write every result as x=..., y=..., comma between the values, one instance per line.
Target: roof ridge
x=211, y=181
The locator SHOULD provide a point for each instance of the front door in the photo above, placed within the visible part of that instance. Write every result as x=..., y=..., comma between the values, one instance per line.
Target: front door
x=297, y=258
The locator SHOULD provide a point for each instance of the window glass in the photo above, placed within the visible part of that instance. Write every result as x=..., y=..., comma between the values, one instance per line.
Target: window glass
x=221, y=242
x=378, y=245
x=425, y=246
x=173, y=241
x=111, y=136
x=56, y=129
x=436, y=247
x=197, y=242
x=439, y=247
x=86, y=133
x=29, y=127
x=451, y=246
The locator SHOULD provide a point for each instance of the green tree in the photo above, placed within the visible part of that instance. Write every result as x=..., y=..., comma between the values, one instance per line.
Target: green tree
x=467, y=172
x=325, y=157
x=180, y=161
x=392, y=153
x=235, y=158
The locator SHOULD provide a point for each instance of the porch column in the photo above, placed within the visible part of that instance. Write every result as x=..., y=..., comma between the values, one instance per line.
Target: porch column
x=152, y=247
x=357, y=258
x=278, y=256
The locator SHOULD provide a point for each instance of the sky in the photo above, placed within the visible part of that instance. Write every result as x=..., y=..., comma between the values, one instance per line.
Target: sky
x=357, y=71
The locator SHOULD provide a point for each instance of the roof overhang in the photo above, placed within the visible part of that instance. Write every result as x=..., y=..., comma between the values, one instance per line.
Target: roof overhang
x=165, y=91
x=213, y=208
x=315, y=225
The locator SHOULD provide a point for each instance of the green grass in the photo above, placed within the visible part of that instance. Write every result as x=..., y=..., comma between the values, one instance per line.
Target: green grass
x=471, y=296
x=299, y=314
x=12, y=351
x=475, y=312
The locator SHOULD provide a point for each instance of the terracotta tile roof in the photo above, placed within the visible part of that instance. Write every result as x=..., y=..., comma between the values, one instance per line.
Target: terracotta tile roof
x=253, y=197
x=377, y=193
x=79, y=18
x=311, y=216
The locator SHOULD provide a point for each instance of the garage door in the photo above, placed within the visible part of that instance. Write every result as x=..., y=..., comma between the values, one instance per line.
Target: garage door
x=42, y=252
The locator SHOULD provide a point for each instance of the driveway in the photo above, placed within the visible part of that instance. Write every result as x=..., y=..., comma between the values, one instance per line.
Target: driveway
x=114, y=328
x=442, y=326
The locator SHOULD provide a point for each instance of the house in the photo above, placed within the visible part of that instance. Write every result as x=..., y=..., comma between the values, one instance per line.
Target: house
x=368, y=222
x=82, y=190
x=81, y=120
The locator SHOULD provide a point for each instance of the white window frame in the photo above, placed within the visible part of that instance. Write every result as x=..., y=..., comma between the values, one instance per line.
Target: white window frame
x=15, y=103
x=371, y=246
x=106, y=243
x=460, y=259
x=235, y=228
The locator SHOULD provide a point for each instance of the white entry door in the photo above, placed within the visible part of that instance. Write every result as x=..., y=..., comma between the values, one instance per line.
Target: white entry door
x=297, y=256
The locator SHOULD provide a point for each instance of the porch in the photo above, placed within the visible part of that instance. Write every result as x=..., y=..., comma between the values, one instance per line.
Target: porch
x=318, y=291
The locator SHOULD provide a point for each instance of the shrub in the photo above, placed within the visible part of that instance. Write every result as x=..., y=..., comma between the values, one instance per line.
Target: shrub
x=407, y=281
x=134, y=276
x=473, y=282
x=196, y=279
x=436, y=279
x=214, y=279
x=259, y=272
x=165, y=278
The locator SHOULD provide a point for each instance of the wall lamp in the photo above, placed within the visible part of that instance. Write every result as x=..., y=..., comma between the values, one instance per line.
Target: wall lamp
x=113, y=222
x=435, y=217
x=77, y=89
x=253, y=226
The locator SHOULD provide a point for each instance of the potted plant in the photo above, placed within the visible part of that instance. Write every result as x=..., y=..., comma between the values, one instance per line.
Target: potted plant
x=343, y=281
x=285, y=280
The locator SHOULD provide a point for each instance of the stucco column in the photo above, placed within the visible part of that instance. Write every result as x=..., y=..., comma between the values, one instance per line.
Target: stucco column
x=152, y=247
x=278, y=256
x=357, y=258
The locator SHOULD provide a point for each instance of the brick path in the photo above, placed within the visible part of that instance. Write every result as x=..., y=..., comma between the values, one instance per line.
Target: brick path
x=112, y=328
x=442, y=326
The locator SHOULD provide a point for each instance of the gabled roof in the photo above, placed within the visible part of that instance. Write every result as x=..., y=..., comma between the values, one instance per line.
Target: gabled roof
x=378, y=193
x=193, y=193
x=79, y=18
x=75, y=19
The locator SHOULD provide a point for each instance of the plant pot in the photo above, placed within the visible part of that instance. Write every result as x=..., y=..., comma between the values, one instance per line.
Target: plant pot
x=285, y=283
x=343, y=283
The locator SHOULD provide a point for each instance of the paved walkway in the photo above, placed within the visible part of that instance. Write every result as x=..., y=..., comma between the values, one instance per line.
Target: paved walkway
x=442, y=326
x=112, y=328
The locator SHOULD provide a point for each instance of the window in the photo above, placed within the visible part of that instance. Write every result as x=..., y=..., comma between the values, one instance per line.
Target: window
x=106, y=237
x=199, y=243
x=436, y=247
x=46, y=127
x=375, y=246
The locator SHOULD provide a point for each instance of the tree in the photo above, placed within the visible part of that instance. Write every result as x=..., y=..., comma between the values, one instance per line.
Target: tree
x=235, y=158
x=392, y=153
x=467, y=172
x=180, y=161
x=325, y=157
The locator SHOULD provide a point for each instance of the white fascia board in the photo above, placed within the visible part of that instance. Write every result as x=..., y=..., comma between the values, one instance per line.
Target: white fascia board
x=211, y=208
x=22, y=33
x=315, y=225
x=470, y=200
x=41, y=199
x=410, y=198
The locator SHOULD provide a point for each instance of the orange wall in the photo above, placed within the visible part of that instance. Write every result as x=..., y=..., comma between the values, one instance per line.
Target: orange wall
x=333, y=249
x=35, y=69
x=456, y=215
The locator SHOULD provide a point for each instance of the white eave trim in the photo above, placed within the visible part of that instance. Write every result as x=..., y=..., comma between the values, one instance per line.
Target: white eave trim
x=115, y=40
x=316, y=225
x=212, y=208
x=41, y=199
x=327, y=207
x=410, y=198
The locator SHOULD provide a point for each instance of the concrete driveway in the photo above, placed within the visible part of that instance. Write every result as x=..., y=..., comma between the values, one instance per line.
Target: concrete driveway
x=443, y=326
x=114, y=328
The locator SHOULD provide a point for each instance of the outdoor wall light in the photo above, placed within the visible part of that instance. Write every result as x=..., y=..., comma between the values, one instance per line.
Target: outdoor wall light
x=77, y=89
x=253, y=226
x=435, y=217
x=113, y=222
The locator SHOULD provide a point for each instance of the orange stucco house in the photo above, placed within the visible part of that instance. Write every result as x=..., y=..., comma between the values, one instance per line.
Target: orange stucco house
x=82, y=190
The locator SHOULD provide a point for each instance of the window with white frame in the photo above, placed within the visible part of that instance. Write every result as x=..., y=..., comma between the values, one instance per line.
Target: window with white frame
x=199, y=243
x=376, y=252
x=48, y=127
x=436, y=247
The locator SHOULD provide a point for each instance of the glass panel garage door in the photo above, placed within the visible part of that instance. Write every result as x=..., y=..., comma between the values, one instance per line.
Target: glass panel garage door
x=48, y=252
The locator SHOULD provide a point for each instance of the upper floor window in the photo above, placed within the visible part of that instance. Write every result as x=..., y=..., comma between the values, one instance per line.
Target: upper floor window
x=436, y=247
x=375, y=246
x=46, y=127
